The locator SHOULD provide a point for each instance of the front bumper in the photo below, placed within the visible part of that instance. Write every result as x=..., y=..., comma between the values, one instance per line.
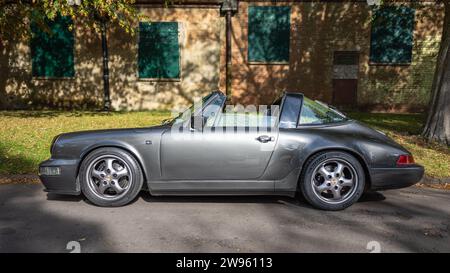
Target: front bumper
x=64, y=183
x=395, y=178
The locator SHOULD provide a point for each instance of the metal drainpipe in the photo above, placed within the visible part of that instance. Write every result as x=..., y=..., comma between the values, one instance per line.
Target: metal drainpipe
x=228, y=73
x=106, y=98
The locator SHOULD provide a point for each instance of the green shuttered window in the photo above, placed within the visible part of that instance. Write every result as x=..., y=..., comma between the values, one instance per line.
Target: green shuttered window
x=159, y=51
x=268, y=33
x=52, y=51
x=392, y=35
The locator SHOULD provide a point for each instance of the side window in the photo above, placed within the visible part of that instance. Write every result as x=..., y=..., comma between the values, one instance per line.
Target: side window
x=392, y=35
x=290, y=112
x=268, y=33
x=52, y=52
x=159, y=51
x=314, y=113
x=250, y=120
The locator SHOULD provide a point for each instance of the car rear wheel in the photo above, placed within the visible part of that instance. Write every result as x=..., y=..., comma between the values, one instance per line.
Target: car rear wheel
x=110, y=177
x=332, y=180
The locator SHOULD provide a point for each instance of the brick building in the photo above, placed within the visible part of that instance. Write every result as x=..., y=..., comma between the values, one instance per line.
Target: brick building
x=342, y=52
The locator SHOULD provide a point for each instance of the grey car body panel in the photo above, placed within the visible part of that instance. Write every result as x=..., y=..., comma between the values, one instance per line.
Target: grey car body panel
x=214, y=155
x=230, y=163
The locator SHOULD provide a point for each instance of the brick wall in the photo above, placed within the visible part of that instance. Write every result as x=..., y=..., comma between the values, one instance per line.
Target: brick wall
x=318, y=29
x=200, y=36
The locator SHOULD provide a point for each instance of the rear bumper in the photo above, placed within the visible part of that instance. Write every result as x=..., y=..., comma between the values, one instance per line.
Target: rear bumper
x=66, y=182
x=395, y=178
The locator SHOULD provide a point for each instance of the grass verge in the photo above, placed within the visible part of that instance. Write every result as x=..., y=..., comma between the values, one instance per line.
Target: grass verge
x=25, y=136
x=406, y=129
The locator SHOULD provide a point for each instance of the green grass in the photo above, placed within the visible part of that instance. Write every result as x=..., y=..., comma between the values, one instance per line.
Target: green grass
x=406, y=129
x=25, y=136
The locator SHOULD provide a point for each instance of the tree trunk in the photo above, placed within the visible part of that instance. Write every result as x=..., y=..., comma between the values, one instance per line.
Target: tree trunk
x=4, y=71
x=106, y=98
x=437, y=126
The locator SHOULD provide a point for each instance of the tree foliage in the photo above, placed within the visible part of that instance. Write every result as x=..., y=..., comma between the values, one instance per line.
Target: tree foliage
x=15, y=15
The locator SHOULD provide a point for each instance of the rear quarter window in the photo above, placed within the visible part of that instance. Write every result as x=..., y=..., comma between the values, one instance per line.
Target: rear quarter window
x=314, y=113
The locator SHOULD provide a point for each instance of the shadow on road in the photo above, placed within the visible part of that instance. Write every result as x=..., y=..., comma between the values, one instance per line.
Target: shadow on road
x=372, y=196
x=30, y=224
x=412, y=220
x=298, y=200
x=65, y=198
x=222, y=199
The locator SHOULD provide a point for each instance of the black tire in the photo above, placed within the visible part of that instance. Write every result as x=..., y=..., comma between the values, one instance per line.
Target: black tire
x=321, y=200
x=134, y=179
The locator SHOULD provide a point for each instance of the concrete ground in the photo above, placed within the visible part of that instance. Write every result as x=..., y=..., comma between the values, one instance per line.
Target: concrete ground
x=407, y=220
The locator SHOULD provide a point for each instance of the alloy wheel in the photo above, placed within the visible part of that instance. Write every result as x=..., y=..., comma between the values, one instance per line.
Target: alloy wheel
x=109, y=177
x=334, y=181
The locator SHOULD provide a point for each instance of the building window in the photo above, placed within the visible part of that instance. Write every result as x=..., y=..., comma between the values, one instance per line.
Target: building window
x=392, y=35
x=268, y=34
x=52, y=50
x=159, y=50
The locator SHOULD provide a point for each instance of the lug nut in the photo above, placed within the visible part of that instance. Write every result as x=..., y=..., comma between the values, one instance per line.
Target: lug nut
x=114, y=175
x=336, y=187
x=328, y=184
x=104, y=183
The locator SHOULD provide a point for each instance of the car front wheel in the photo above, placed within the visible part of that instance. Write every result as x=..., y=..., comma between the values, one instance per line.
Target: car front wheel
x=332, y=180
x=110, y=177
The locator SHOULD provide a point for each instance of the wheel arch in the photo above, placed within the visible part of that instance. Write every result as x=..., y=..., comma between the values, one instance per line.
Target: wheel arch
x=355, y=154
x=126, y=148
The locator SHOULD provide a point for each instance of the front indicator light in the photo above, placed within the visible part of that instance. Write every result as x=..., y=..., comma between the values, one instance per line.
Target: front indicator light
x=50, y=171
x=405, y=160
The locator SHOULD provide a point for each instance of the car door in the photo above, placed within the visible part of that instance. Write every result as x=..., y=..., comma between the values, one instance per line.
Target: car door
x=220, y=153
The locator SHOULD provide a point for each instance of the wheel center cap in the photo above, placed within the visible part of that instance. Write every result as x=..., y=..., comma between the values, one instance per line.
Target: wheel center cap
x=334, y=181
x=108, y=177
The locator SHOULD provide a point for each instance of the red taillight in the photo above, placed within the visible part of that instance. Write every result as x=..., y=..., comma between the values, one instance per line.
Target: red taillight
x=405, y=160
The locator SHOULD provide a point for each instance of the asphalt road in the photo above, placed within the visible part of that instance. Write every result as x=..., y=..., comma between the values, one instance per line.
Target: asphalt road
x=408, y=220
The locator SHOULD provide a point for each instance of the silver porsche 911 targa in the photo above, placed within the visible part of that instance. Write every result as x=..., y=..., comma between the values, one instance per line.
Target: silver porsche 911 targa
x=295, y=144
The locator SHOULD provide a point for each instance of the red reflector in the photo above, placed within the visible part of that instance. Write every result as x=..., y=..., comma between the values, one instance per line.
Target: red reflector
x=405, y=160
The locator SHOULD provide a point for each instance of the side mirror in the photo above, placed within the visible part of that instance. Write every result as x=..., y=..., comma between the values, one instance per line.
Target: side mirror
x=197, y=122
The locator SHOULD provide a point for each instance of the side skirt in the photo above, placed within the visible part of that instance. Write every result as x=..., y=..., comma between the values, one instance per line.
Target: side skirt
x=221, y=193
x=211, y=186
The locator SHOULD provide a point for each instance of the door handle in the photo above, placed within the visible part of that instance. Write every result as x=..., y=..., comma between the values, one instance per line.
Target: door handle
x=265, y=139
